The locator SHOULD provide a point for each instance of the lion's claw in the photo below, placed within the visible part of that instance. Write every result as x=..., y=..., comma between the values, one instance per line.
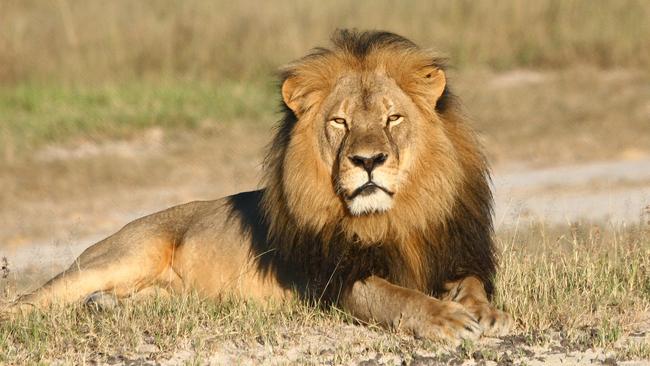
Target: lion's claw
x=448, y=321
x=494, y=322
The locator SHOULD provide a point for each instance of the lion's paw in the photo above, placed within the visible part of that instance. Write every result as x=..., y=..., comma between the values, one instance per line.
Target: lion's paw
x=101, y=301
x=449, y=322
x=494, y=322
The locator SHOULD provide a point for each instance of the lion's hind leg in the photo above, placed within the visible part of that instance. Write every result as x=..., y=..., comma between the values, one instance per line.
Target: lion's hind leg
x=134, y=258
x=470, y=292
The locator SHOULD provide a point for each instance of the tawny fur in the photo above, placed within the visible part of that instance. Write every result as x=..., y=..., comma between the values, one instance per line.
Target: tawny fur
x=427, y=237
x=439, y=227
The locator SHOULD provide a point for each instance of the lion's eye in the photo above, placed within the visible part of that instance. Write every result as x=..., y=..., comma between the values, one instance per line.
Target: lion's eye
x=338, y=122
x=394, y=119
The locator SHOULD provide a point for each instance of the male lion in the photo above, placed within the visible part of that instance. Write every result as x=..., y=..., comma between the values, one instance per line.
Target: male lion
x=377, y=200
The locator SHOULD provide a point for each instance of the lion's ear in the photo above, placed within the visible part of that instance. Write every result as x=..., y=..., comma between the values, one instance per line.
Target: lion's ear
x=436, y=81
x=290, y=94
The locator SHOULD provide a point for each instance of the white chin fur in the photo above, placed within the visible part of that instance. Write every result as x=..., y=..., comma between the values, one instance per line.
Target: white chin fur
x=374, y=203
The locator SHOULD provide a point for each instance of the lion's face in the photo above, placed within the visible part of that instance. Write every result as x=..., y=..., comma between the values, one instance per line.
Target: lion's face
x=363, y=144
x=366, y=134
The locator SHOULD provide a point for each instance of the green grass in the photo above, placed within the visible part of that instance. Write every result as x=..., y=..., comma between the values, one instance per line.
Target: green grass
x=33, y=114
x=564, y=117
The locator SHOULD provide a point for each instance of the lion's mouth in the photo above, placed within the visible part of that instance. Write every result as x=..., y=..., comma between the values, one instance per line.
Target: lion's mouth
x=367, y=189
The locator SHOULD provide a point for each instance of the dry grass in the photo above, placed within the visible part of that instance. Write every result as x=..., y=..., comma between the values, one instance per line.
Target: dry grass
x=76, y=334
x=582, y=277
x=81, y=41
x=589, y=284
x=76, y=71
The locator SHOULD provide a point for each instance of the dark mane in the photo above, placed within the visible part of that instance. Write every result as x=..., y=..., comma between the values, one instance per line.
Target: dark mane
x=361, y=44
x=323, y=263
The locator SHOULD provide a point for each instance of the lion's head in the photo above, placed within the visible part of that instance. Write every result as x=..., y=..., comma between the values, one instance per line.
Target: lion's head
x=372, y=150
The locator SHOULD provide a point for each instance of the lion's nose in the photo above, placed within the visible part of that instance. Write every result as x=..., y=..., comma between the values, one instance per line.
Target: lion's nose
x=369, y=162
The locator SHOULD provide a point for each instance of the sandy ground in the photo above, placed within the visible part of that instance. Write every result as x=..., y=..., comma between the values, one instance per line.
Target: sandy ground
x=617, y=191
x=348, y=344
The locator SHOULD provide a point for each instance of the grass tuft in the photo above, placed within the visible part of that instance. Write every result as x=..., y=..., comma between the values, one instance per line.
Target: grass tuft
x=590, y=282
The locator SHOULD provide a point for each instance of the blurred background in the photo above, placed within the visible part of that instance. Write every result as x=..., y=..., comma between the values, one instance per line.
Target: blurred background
x=110, y=110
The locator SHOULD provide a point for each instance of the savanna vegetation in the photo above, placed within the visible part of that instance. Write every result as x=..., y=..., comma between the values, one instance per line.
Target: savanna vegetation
x=545, y=82
x=97, y=69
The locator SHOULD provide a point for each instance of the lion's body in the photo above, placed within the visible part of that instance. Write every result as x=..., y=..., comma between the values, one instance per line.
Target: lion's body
x=198, y=246
x=371, y=215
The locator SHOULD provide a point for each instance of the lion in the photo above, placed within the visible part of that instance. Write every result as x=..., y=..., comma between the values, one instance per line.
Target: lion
x=376, y=200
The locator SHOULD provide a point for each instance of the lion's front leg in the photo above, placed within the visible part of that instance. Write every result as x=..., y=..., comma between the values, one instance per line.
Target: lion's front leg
x=470, y=292
x=377, y=300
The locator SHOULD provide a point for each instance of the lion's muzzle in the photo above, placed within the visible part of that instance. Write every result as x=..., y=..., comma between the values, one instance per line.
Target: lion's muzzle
x=365, y=182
